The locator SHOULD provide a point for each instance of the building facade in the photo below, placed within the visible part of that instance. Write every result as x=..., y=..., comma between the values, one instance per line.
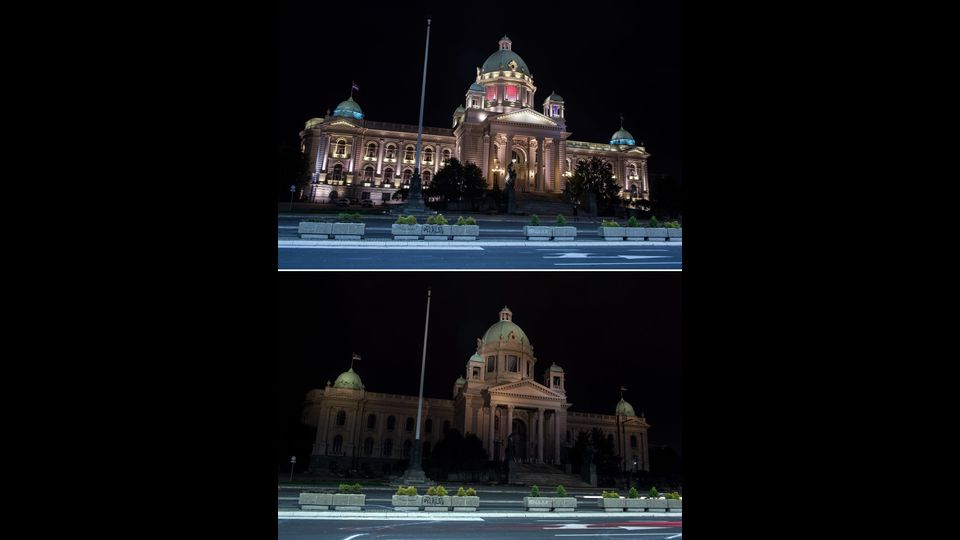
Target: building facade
x=497, y=399
x=496, y=126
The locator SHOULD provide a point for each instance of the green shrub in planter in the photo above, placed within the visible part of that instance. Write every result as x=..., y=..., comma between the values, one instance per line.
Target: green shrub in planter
x=535, y=220
x=672, y=224
x=561, y=492
x=461, y=492
x=349, y=218
x=674, y=496
x=561, y=221
x=407, y=491
x=471, y=221
x=461, y=221
x=350, y=488
x=534, y=491
x=606, y=223
x=442, y=491
x=653, y=493
x=610, y=495
x=471, y=492
x=632, y=494
x=632, y=222
x=653, y=223
x=406, y=220
x=437, y=220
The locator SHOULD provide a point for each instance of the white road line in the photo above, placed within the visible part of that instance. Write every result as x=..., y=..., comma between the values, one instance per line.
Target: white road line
x=634, y=262
x=354, y=536
x=674, y=536
x=412, y=248
x=614, y=534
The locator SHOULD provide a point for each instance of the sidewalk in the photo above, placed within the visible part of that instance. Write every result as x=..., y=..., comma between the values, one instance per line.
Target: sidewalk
x=458, y=516
x=452, y=244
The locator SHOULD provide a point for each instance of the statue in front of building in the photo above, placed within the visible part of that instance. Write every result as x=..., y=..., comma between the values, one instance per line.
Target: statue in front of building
x=509, y=189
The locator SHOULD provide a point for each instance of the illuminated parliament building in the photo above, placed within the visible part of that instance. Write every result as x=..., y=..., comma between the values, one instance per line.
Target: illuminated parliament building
x=351, y=156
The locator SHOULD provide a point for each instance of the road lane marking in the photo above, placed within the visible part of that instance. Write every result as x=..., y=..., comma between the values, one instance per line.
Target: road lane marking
x=632, y=262
x=411, y=248
x=354, y=536
x=674, y=536
x=614, y=534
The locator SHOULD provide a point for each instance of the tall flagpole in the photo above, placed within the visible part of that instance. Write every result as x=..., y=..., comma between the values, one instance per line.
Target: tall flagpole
x=415, y=198
x=414, y=473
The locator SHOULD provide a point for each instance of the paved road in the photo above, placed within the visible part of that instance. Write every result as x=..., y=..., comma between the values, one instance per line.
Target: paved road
x=619, y=256
x=464, y=527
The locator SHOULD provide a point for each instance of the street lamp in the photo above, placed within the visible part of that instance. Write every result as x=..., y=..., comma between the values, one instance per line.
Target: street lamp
x=414, y=473
x=293, y=461
x=293, y=189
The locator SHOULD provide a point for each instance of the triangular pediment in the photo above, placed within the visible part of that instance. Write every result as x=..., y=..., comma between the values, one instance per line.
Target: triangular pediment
x=525, y=116
x=526, y=388
x=341, y=123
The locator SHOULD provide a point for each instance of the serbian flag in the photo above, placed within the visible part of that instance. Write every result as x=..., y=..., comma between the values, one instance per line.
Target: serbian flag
x=356, y=356
x=622, y=389
x=357, y=88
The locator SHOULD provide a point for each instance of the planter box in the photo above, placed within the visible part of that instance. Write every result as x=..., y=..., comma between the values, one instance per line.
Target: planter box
x=314, y=229
x=316, y=501
x=674, y=505
x=348, y=231
x=564, y=233
x=612, y=505
x=537, y=233
x=657, y=234
x=538, y=504
x=635, y=234
x=613, y=234
x=407, y=502
x=633, y=505
x=436, y=232
x=349, y=502
x=675, y=234
x=564, y=504
x=465, y=504
x=406, y=232
x=465, y=232
x=436, y=503
x=655, y=505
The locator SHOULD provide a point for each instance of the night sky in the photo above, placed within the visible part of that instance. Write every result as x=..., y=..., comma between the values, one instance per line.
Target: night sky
x=604, y=61
x=604, y=328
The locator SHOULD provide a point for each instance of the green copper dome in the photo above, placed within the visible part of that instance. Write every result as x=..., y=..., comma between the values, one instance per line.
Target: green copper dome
x=348, y=379
x=503, y=328
x=625, y=409
x=623, y=136
x=555, y=97
x=476, y=358
x=349, y=109
x=476, y=87
x=461, y=380
x=459, y=109
x=554, y=367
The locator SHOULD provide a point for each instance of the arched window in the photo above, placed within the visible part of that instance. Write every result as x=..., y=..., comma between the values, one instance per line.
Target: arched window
x=406, y=448
x=446, y=154
x=633, y=170
x=371, y=421
x=408, y=153
x=388, y=447
x=428, y=155
x=341, y=149
x=446, y=426
x=371, y=149
x=337, y=444
x=387, y=175
x=409, y=426
x=426, y=449
x=407, y=173
x=391, y=152
x=337, y=171
x=515, y=156
x=368, y=447
x=428, y=427
x=633, y=441
x=391, y=423
x=341, y=418
x=426, y=177
x=368, y=174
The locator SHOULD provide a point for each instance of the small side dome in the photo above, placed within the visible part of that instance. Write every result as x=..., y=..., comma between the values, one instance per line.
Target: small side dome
x=459, y=110
x=554, y=367
x=555, y=97
x=314, y=122
x=460, y=381
x=476, y=358
x=349, y=109
x=348, y=379
x=625, y=409
x=623, y=137
x=475, y=87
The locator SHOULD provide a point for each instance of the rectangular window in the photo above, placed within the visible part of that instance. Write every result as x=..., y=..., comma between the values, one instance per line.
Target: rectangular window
x=365, y=195
x=556, y=382
x=491, y=93
x=476, y=373
x=511, y=92
x=491, y=364
x=512, y=363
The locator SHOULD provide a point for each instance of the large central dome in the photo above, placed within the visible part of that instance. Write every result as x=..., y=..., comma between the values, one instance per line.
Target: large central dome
x=505, y=329
x=501, y=60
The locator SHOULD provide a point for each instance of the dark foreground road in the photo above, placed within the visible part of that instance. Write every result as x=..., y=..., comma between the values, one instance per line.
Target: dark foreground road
x=550, y=526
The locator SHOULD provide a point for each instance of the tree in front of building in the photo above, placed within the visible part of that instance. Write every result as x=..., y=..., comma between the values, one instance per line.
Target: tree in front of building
x=457, y=182
x=456, y=453
x=291, y=167
x=593, y=176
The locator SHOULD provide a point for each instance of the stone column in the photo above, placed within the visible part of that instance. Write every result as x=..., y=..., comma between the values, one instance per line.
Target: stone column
x=320, y=446
x=643, y=176
x=556, y=436
x=380, y=159
x=326, y=151
x=540, y=435
x=486, y=163
x=493, y=416
x=436, y=158
x=508, y=157
x=561, y=163
x=541, y=164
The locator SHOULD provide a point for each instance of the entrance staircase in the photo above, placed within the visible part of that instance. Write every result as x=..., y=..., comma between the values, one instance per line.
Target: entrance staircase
x=543, y=204
x=543, y=475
